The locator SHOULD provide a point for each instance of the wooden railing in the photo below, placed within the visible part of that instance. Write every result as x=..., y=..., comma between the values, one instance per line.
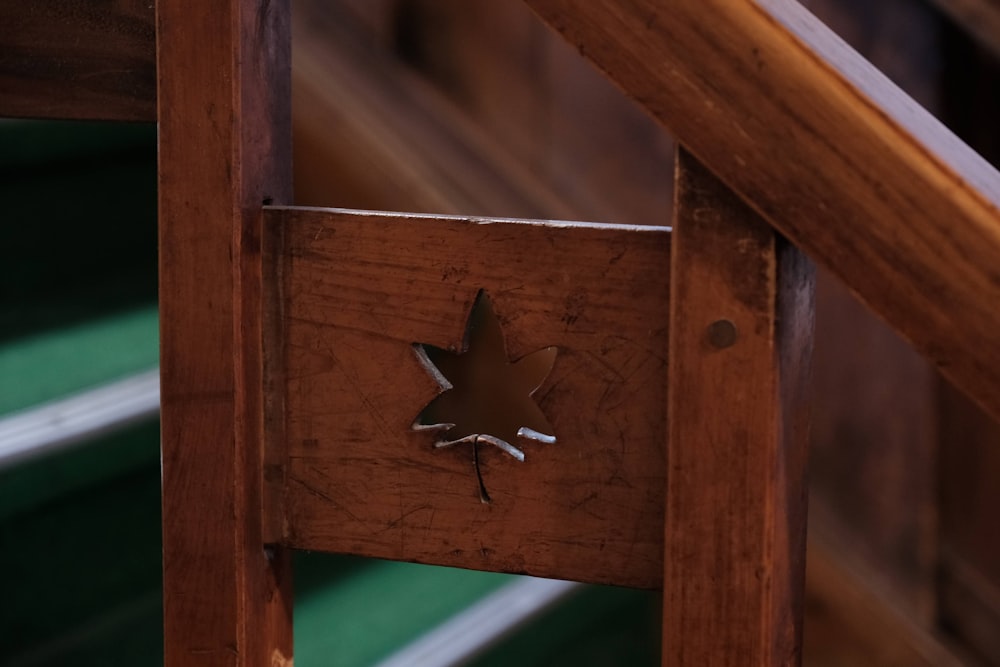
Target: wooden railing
x=813, y=137
x=829, y=151
x=814, y=140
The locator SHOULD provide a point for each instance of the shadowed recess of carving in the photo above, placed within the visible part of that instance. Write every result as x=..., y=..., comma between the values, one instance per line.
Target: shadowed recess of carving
x=485, y=397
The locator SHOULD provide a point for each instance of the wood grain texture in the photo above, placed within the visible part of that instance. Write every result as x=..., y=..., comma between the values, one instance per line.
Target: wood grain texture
x=358, y=290
x=736, y=496
x=373, y=135
x=81, y=59
x=225, y=135
x=827, y=150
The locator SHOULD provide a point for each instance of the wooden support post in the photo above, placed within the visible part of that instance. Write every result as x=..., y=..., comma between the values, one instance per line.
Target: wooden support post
x=741, y=313
x=224, y=123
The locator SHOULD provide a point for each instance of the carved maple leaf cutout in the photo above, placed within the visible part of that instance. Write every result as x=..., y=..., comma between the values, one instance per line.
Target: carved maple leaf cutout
x=486, y=398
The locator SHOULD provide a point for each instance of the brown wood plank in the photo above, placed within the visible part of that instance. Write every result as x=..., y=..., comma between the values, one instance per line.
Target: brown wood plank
x=78, y=59
x=740, y=346
x=829, y=151
x=224, y=149
x=358, y=290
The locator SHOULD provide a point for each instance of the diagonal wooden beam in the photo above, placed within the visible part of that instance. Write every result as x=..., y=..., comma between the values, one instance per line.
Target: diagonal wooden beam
x=828, y=150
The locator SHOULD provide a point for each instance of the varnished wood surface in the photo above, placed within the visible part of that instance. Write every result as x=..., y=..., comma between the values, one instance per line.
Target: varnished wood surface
x=224, y=127
x=358, y=290
x=78, y=59
x=873, y=442
x=740, y=344
x=829, y=151
x=874, y=446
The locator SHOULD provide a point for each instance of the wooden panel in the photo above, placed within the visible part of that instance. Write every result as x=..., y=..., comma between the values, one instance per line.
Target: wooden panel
x=740, y=344
x=896, y=207
x=82, y=59
x=358, y=290
x=225, y=135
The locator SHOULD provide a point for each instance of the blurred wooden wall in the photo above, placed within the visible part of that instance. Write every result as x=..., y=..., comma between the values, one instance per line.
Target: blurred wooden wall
x=473, y=106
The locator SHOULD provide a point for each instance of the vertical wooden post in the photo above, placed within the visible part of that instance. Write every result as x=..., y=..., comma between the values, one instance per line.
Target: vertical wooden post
x=740, y=344
x=224, y=124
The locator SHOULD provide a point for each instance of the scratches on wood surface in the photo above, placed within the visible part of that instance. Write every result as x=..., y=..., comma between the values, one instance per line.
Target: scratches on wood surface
x=357, y=290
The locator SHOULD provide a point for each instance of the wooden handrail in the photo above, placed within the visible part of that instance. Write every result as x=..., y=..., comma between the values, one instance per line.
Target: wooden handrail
x=828, y=150
x=808, y=132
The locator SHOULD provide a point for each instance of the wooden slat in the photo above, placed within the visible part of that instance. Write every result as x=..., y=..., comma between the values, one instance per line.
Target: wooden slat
x=225, y=136
x=829, y=151
x=358, y=290
x=78, y=59
x=741, y=322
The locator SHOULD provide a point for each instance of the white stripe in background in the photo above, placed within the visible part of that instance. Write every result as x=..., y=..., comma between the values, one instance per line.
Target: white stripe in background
x=62, y=423
x=480, y=626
